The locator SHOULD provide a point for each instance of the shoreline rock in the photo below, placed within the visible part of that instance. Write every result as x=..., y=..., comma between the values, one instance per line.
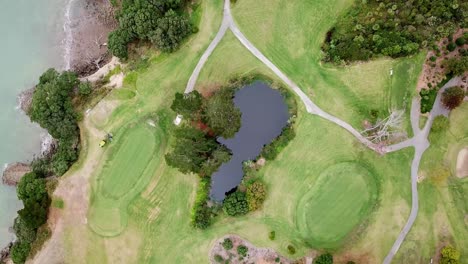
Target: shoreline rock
x=14, y=172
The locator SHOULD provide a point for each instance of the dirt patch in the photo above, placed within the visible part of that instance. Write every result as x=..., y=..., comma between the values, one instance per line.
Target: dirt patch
x=434, y=71
x=14, y=172
x=462, y=163
x=254, y=254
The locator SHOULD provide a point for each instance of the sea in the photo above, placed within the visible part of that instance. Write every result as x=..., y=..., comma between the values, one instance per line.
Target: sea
x=34, y=36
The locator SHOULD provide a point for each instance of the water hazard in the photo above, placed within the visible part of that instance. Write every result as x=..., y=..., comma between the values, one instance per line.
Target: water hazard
x=264, y=115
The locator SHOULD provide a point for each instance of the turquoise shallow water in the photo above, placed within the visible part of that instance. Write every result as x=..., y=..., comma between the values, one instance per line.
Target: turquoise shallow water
x=31, y=42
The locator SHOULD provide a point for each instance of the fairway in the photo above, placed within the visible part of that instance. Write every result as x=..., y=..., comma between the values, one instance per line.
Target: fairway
x=133, y=157
x=342, y=191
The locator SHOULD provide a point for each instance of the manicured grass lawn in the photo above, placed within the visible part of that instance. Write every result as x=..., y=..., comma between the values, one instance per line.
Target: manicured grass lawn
x=151, y=223
x=134, y=155
x=343, y=191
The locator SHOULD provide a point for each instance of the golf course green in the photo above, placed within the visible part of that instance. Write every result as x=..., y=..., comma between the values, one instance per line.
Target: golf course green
x=341, y=196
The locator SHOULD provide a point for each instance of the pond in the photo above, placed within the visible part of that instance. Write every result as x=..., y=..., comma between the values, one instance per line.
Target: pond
x=264, y=115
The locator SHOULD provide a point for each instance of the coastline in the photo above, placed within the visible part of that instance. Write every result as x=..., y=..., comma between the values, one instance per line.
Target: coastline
x=86, y=27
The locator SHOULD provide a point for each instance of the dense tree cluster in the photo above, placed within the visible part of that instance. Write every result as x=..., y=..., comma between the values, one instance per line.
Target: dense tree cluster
x=457, y=66
x=452, y=97
x=162, y=22
x=32, y=191
x=188, y=105
x=236, y=204
x=392, y=28
x=221, y=115
x=197, y=152
x=53, y=110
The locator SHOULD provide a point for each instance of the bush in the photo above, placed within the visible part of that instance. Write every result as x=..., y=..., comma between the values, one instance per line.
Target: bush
x=236, y=204
x=272, y=235
x=271, y=151
x=242, y=250
x=85, y=88
x=227, y=244
x=201, y=214
x=453, y=97
x=291, y=250
x=460, y=41
x=433, y=58
x=457, y=66
x=326, y=258
x=218, y=258
x=449, y=255
x=256, y=194
x=19, y=252
x=451, y=46
x=428, y=97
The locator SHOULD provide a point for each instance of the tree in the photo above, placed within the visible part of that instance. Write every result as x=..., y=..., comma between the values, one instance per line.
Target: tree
x=117, y=43
x=218, y=157
x=192, y=149
x=20, y=251
x=51, y=105
x=326, y=258
x=450, y=255
x=453, y=97
x=188, y=104
x=171, y=30
x=221, y=115
x=457, y=66
x=32, y=191
x=291, y=249
x=256, y=193
x=236, y=204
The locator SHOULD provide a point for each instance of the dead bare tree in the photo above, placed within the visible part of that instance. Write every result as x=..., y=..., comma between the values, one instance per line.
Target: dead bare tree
x=389, y=128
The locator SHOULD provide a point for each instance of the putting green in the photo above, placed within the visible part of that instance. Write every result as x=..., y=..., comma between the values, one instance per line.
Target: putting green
x=134, y=157
x=339, y=200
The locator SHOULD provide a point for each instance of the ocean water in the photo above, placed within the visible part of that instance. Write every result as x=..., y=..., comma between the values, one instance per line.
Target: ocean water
x=32, y=40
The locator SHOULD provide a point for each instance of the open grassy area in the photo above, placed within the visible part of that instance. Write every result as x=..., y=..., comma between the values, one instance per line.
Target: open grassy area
x=150, y=224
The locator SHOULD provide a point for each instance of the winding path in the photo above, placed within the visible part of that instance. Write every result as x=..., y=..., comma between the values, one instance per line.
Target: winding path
x=419, y=140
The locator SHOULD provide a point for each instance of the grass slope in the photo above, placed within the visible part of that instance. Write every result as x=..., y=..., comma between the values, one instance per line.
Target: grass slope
x=157, y=215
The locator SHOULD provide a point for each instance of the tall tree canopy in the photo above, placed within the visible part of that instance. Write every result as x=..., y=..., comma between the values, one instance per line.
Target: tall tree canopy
x=187, y=105
x=153, y=20
x=453, y=97
x=221, y=115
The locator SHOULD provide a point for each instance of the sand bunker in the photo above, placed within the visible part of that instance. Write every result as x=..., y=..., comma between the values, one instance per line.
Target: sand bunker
x=462, y=163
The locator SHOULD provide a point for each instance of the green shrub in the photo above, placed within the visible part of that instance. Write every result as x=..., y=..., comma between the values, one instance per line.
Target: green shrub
x=85, y=89
x=201, y=214
x=428, y=97
x=19, y=252
x=460, y=41
x=451, y=46
x=449, y=255
x=242, y=250
x=271, y=151
x=256, y=194
x=236, y=204
x=433, y=58
x=326, y=258
x=227, y=244
x=291, y=250
x=218, y=258
x=277, y=259
x=272, y=235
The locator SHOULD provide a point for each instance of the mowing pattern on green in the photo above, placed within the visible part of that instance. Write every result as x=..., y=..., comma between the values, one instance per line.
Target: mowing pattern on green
x=342, y=191
x=124, y=176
